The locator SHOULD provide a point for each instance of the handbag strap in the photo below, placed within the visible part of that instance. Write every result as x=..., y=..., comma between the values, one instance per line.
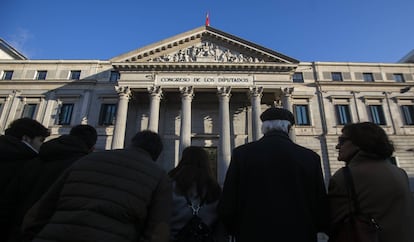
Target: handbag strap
x=351, y=189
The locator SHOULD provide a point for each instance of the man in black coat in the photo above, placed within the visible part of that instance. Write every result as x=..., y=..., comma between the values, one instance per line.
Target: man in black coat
x=274, y=189
x=37, y=175
x=115, y=195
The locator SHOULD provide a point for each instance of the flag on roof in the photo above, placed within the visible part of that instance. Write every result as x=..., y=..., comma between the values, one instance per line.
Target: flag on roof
x=207, y=20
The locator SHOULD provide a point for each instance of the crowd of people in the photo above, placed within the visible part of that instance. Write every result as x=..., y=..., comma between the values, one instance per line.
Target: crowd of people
x=274, y=190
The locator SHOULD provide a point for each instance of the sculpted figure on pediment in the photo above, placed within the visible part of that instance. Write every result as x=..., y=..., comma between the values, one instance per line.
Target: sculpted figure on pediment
x=206, y=52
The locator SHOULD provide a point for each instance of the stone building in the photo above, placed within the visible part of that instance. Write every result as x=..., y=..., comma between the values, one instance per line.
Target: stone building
x=206, y=87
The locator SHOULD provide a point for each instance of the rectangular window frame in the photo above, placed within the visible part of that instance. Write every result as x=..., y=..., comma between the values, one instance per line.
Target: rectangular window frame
x=297, y=77
x=75, y=75
x=7, y=75
x=377, y=114
x=343, y=114
x=29, y=110
x=337, y=76
x=114, y=76
x=398, y=77
x=408, y=114
x=41, y=75
x=302, y=114
x=107, y=114
x=368, y=77
x=65, y=113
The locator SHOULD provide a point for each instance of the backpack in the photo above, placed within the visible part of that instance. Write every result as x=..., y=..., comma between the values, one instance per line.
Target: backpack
x=195, y=230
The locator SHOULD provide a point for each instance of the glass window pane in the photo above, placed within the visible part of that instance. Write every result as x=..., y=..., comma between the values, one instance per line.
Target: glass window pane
x=297, y=77
x=377, y=114
x=399, y=77
x=107, y=115
x=408, y=113
x=29, y=110
x=368, y=77
x=65, y=114
x=41, y=75
x=302, y=115
x=343, y=114
x=75, y=75
x=114, y=76
x=7, y=75
x=336, y=76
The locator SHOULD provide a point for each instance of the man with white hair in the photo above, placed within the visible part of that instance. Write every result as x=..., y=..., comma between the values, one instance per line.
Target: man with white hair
x=274, y=189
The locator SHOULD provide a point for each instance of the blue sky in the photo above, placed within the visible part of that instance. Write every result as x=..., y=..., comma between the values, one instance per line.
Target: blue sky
x=307, y=30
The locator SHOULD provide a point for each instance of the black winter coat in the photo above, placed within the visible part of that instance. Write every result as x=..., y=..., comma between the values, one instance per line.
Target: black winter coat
x=38, y=175
x=116, y=195
x=274, y=191
x=13, y=154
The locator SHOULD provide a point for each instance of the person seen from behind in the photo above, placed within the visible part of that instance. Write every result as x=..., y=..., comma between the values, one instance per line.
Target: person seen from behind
x=193, y=182
x=38, y=174
x=382, y=189
x=115, y=195
x=274, y=189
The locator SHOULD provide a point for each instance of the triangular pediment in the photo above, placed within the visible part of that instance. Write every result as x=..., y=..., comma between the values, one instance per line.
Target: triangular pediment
x=204, y=45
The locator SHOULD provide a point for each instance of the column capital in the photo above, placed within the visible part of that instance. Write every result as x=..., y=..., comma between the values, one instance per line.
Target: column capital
x=155, y=90
x=224, y=91
x=187, y=91
x=123, y=91
x=255, y=91
x=287, y=91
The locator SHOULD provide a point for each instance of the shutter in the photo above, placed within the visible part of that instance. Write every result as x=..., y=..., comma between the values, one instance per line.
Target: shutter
x=358, y=76
x=390, y=76
x=408, y=77
x=308, y=75
x=327, y=76
x=64, y=74
x=30, y=74
x=346, y=75
x=377, y=77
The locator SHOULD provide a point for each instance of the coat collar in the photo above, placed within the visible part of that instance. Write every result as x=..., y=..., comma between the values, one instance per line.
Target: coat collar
x=277, y=133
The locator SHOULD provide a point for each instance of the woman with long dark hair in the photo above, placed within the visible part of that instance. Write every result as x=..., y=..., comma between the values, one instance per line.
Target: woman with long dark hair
x=193, y=182
x=370, y=186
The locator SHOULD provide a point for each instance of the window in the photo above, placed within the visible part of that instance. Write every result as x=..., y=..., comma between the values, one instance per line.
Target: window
x=342, y=113
x=336, y=76
x=7, y=75
x=107, y=114
x=302, y=115
x=368, y=77
x=398, y=77
x=114, y=76
x=65, y=114
x=41, y=75
x=408, y=112
x=297, y=77
x=377, y=114
x=75, y=75
x=29, y=110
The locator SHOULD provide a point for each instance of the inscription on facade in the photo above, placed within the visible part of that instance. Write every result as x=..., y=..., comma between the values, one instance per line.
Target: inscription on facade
x=244, y=81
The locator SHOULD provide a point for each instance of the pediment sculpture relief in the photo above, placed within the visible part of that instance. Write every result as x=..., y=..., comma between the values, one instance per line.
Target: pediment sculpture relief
x=206, y=52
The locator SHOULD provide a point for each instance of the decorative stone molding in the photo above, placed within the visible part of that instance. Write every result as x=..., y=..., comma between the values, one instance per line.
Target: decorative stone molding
x=207, y=52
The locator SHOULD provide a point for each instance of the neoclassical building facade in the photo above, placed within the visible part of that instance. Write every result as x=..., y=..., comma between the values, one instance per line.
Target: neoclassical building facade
x=208, y=88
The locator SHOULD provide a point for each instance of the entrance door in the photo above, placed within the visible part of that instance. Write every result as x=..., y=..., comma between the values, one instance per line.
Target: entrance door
x=212, y=156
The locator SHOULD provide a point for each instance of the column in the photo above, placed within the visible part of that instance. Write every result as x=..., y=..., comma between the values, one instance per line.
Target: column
x=224, y=148
x=255, y=98
x=156, y=94
x=49, y=108
x=187, y=95
x=84, y=108
x=5, y=112
x=287, y=104
x=118, y=137
x=13, y=108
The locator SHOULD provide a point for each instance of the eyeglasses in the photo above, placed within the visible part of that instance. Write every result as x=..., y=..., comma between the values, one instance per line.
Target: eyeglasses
x=342, y=140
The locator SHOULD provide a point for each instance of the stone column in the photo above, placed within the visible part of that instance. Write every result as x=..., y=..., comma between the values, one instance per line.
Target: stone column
x=4, y=113
x=84, y=109
x=255, y=98
x=15, y=100
x=49, y=109
x=156, y=94
x=224, y=148
x=287, y=104
x=187, y=95
x=118, y=137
